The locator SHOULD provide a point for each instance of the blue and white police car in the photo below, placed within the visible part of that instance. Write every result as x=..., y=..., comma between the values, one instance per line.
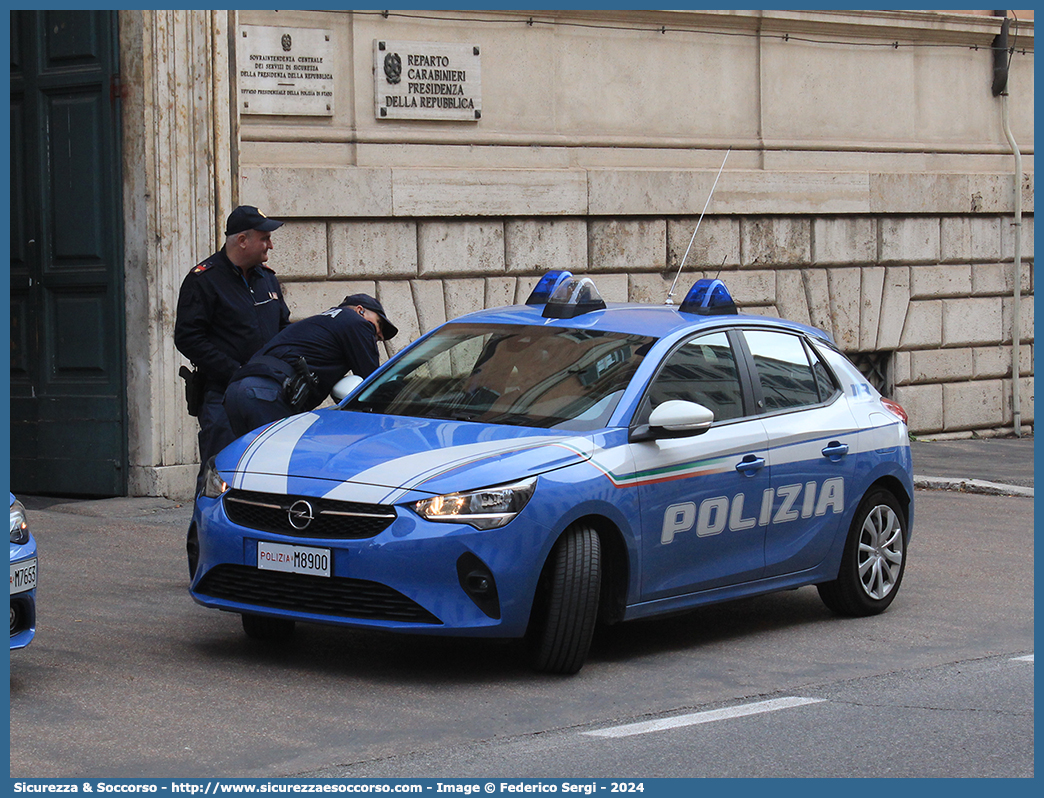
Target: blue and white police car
x=23, y=578
x=533, y=471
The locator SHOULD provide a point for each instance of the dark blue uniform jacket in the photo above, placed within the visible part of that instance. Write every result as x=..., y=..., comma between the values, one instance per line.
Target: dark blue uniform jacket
x=334, y=342
x=223, y=319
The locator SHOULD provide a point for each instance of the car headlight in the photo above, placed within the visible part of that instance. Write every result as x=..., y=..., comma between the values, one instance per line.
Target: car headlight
x=213, y=484
x=487, y=508
x=19, y=525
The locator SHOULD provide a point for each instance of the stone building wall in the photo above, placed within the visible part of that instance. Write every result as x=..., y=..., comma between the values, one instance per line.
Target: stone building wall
x=931, y=294
x=177, y=183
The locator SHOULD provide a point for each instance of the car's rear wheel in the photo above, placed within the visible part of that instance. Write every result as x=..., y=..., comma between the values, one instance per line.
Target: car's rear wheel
x=566, y=607
x=261, y=627
x=874, y=559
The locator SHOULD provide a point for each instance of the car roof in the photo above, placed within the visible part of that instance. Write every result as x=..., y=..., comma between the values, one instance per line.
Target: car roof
x=659, y=321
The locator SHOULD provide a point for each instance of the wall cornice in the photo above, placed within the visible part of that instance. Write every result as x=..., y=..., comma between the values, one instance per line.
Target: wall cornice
x=312, y=192
x=904, y=26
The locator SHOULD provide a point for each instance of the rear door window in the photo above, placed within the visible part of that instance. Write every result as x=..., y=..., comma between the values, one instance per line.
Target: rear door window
x=784, y=372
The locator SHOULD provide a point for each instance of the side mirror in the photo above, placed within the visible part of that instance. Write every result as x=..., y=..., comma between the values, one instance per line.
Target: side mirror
x=345, y=386
x=675, y=418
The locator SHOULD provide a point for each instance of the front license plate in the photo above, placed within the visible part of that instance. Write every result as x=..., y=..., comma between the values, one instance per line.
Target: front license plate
x=292, y=559
x=23, y=576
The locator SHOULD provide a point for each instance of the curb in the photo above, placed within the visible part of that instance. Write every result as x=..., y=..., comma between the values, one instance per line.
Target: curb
x=971, y=486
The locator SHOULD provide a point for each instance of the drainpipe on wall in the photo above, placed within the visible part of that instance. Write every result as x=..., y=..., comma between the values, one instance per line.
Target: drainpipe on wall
x=1001, y=60
x=1016, y=326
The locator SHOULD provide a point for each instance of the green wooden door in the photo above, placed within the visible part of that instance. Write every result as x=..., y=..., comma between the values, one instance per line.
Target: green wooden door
x=68, y=404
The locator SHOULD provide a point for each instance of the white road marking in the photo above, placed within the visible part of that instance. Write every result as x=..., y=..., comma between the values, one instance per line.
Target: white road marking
x=1027, y=658
x=704, y=717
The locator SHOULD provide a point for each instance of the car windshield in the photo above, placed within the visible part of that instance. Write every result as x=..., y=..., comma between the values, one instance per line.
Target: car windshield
x=534, y=376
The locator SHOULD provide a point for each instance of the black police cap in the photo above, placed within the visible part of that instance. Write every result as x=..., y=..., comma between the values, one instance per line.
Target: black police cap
x=388, y=329
x=247, y=217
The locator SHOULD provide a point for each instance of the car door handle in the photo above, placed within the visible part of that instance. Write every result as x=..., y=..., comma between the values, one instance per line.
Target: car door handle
x=835, y=451
x=750, y=465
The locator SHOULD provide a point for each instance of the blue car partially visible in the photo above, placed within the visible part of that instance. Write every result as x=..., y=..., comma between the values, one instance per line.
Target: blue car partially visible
x=23, y=578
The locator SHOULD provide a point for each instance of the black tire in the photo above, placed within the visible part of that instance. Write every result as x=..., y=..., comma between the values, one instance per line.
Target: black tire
x=566, y=607
x=261, y=627
x=874, y=559
x=192, y=550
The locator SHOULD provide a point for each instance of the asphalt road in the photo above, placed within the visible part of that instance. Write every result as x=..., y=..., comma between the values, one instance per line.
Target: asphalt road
x=128, y=677
x=977, y=715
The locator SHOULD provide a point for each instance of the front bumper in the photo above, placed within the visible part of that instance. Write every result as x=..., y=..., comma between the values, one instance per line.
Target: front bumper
x=414, y=576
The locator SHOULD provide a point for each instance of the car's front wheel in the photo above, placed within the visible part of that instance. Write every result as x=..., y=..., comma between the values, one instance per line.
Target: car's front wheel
x=566, y=607
x=874, y=559
x=261, y=627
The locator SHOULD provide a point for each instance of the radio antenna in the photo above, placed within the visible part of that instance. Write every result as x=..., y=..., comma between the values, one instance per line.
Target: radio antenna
x=721, y=267
x=670, y=294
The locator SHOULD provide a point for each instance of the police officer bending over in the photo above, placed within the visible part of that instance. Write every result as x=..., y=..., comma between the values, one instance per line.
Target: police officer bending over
x=297, y=369
x=230, y=306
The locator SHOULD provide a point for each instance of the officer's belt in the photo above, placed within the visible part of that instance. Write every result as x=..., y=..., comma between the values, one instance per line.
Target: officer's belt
x=264, y=366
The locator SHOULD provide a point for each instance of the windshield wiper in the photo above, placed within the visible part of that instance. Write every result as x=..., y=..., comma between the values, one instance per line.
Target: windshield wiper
x=519, y=419
x=455, y=414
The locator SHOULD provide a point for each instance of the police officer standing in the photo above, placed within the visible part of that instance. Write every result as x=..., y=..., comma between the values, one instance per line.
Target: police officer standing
x=230, y=306
x=297, y=369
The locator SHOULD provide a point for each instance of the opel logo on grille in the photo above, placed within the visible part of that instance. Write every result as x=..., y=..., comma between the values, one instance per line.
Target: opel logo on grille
x=300, y=514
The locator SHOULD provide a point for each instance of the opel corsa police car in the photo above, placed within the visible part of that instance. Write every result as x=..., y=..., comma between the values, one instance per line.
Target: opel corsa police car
x=532, y=471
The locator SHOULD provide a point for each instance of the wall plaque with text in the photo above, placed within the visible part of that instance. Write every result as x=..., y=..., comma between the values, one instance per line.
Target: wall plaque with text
x=427, y=80
x=285, y=71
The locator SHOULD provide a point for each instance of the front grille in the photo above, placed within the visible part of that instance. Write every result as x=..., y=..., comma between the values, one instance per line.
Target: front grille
x=269, y=512
x=345, y=598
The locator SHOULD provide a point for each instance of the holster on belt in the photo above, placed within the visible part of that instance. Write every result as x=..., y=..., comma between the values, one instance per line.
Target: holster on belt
x=195, y=384
x=301, y=389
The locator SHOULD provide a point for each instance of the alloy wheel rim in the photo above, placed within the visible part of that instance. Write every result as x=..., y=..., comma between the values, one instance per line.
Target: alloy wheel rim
x=880, y=552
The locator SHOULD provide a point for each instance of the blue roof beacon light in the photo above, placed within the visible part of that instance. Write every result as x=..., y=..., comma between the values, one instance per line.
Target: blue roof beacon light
x=545, y=287
x=573, y=297
x=708, y=298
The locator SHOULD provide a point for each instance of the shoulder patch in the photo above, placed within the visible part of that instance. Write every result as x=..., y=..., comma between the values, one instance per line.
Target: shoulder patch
x=201, y=267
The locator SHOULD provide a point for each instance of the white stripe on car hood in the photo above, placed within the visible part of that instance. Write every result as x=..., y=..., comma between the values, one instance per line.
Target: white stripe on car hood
x=274, y=447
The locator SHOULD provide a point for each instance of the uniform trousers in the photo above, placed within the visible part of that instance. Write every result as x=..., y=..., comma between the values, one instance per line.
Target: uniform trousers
x=215, y=431
x=252, y=402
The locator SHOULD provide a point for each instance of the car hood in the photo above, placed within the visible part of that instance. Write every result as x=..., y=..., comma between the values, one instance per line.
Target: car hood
x=383, y=459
